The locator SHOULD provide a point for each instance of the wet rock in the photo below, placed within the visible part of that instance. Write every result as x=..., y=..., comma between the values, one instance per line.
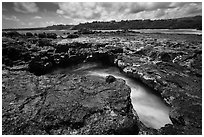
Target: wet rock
x=12, y=34
x=29, y=34
x=110, y=79
x=114, y=49
x=51, y=35
x=80, y=45
x=42, y=35
x=14, y=52
x=44, y=42
x=72, y=36
x=165, y=57
x=40, y=65
x=3, y=34
x=62, y=48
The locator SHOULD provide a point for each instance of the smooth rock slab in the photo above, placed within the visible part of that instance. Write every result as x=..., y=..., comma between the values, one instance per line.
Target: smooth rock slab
x=65, y=104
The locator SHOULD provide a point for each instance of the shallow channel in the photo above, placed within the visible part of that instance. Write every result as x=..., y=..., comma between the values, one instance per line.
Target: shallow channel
x=150, y=108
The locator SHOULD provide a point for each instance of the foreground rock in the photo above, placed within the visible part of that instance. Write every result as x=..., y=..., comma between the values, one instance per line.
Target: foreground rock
x=65, y=104
x=172, y=68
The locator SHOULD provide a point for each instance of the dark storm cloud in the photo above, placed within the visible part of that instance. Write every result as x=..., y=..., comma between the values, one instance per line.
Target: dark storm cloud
x=35, y=14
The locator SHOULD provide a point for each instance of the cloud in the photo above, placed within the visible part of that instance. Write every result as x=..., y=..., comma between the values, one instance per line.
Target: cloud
x=87, y=11
x=31, y=23
x=48, y=23
x=79, y=12
x=147, y=6
x=12, y=18
x=190, y=9
x=37, y=17
x=25, y=7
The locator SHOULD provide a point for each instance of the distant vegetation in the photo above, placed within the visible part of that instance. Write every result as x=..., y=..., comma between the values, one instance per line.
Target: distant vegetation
x=53, y=27
x=29, y=34
x=59, y=27
x=180, y=23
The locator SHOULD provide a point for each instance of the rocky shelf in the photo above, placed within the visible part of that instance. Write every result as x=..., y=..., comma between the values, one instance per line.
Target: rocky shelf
x=38, y=102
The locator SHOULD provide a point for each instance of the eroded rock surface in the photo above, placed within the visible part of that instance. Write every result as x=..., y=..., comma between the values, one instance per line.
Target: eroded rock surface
x=66, y=104
x=171, y=71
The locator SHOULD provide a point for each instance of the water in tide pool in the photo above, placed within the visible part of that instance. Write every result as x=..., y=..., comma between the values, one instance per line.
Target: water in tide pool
x=150, y=108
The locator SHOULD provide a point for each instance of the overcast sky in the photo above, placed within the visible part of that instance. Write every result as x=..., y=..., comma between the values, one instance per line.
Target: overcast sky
x=40, y=14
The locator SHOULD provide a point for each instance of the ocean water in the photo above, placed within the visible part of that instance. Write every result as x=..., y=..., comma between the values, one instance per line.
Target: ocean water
x=58, y=32
x=162, y=31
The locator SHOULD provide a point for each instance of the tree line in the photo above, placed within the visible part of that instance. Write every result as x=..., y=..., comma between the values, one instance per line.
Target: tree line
x=180, y=23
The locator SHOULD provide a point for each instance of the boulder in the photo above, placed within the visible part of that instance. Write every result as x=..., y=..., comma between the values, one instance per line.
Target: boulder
x=13, y=34
x=40, y=65
x=44, y=42
x=72, y=36
x=62, y=48
x=42, y=35
x=110, y=79
x=14, y=52
x=51, y=35
x=29, y=34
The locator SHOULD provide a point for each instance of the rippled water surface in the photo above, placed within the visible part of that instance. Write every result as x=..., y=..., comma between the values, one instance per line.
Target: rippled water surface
x=150, y=108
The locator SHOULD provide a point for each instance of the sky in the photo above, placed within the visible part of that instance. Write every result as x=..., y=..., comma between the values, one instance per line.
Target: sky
x=41, y=14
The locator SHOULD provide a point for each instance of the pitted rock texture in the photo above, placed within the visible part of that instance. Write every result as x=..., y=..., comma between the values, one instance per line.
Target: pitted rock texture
x=169, y=64
x=65, y=104
x=174, y=72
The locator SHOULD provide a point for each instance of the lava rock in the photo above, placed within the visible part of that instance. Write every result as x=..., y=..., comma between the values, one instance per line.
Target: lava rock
x=62, y=48
x=51, y=35
x=165, y=57
x=173, y=70
x=42, y=35
x=14, y=52
x=164, y=70
x=65, y=105
x=114, y=49
x=29, y=34
x=44, y=42
x=40, y=65
x=12, y=34
x=110, y=79
x=72, y=36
